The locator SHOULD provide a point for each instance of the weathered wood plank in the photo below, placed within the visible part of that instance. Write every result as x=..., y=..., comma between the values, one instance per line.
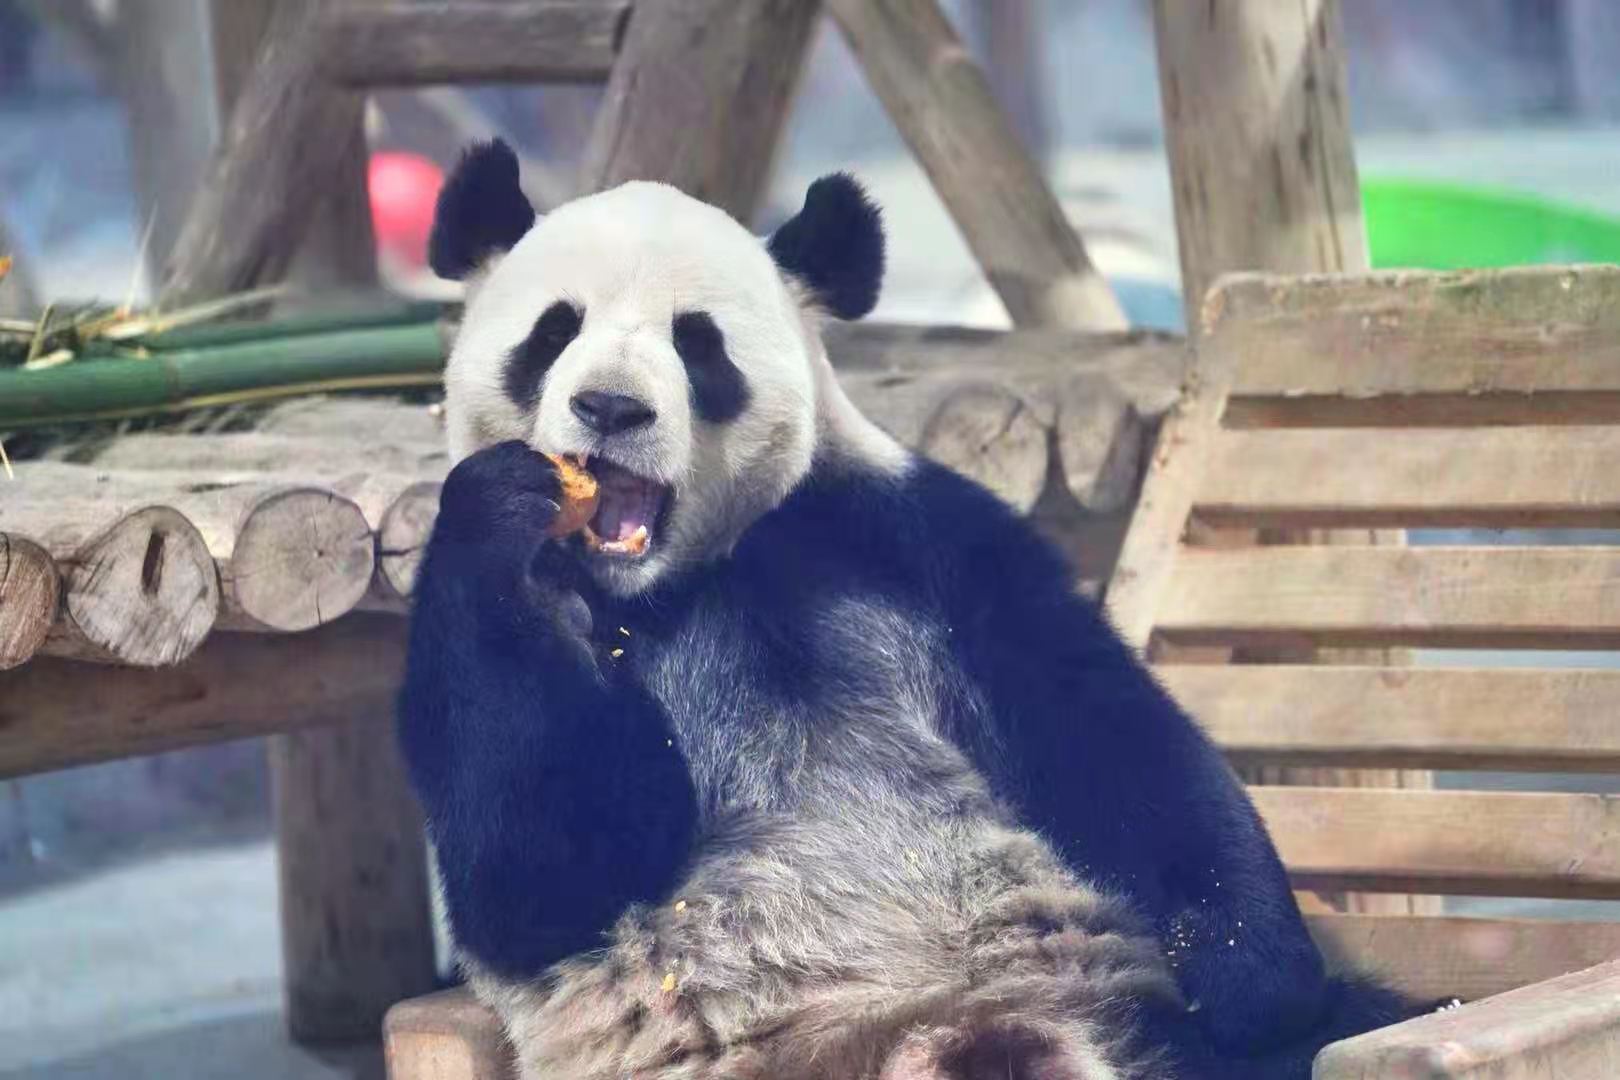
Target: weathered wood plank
x=425, y=44
x=671, y=112
x=1478, y=843
x=449, y=1035
x=1564, y=1028
x=1437, y=957
x=1556, y=597
x=939, y=100
x=1539, y=721
x=1523, y=345
x=53, y=717
x=1561, y=477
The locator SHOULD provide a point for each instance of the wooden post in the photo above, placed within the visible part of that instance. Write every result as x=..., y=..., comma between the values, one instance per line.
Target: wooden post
x=1258, y=135
x=698, y=96
x=356, y=922
x=1012, y=222
x=1264, y=177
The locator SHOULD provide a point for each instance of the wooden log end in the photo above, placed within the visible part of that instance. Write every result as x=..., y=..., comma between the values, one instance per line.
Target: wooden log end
x=986, y=433
x=30, y=594
x=145, y=591
x=402, y=536
x=303, y=557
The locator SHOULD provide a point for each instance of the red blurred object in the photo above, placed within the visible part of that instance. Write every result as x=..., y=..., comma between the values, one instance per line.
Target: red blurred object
x=403, y=188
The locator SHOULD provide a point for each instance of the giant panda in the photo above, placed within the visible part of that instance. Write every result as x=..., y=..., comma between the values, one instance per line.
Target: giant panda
x=836, y=776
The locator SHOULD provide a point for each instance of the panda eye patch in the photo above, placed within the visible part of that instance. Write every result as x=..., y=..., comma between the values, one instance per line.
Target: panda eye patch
x=718, y=390
x=527, y=365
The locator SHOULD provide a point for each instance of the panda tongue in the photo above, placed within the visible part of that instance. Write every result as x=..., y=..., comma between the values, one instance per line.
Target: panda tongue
x=627, y=504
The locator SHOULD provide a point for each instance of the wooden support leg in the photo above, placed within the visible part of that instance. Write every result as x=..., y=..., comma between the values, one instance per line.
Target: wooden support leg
x=357, y=932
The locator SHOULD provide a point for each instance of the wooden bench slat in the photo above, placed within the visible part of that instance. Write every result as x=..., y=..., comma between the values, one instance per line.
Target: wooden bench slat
x=1434, y=958
x=1530, y=597
x=1484, y=478
x=1521, y=329
x=1568, y=1027
x=1406, y=718
x=1476, y=843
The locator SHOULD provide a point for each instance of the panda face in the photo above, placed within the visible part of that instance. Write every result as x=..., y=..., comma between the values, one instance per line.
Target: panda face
x=651, y=335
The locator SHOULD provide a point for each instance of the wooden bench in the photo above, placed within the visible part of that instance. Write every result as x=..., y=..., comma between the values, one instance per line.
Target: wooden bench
x=1481, y=400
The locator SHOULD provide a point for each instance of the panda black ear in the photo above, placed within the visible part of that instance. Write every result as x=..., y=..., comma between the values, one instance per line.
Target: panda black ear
x=481, y=211
x=834, y=245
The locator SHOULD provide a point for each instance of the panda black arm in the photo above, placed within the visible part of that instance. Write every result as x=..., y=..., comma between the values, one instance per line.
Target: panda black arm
x=552, y=794
x=1074, y=731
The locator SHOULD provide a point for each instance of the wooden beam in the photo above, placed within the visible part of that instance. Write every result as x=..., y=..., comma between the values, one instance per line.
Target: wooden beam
x=1439, y=957
x=1528, y=720
x=1470, y=842
x=1565, y=1027
x=282, y=155
x=425, y=44
x=698, y=96
x=1462, y=478
x=1559, y=597
x=55, y=717
x=943, y=108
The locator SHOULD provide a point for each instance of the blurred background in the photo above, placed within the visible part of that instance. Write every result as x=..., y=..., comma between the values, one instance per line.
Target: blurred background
x=138, y=933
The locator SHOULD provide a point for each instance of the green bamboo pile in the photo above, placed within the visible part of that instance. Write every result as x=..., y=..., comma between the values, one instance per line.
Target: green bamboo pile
x=92, y=363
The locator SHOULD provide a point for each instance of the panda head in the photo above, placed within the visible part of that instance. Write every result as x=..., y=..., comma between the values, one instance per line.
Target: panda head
x=661, y=340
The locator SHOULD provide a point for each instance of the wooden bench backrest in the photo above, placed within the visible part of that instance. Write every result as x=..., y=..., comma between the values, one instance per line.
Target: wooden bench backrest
x=1414, y=400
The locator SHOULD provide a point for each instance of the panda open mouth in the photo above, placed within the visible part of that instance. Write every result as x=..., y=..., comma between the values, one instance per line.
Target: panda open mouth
x=630, y=510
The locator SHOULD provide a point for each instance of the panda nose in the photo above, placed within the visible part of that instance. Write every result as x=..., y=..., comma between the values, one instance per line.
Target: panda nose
x=609, y=414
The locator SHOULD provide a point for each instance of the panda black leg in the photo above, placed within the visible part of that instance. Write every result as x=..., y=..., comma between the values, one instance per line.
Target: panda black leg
x=554, y=797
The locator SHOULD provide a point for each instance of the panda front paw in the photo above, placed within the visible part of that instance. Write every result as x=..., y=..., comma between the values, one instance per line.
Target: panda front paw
x=504, y=496
x=491, y=534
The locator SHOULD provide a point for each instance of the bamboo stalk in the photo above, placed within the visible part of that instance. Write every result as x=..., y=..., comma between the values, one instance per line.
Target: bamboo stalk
x=175, y=380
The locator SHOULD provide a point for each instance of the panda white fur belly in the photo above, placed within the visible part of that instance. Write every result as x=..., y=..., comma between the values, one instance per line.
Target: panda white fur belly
x=837, y=777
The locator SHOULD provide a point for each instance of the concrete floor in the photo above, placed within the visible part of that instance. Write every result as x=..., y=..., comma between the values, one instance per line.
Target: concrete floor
x=164, y=968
